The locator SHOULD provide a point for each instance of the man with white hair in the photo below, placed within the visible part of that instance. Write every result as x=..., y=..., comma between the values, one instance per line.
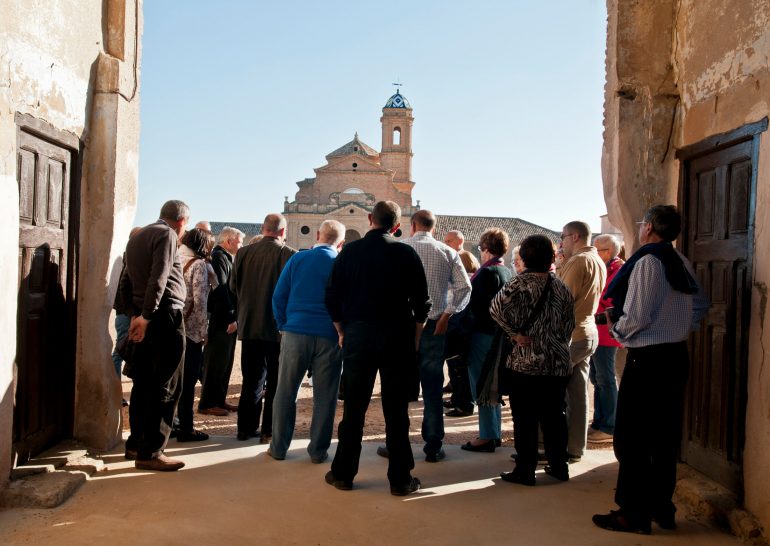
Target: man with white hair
x=602, y=369
x=308, y=340
x=253, y=279
x=220, y=348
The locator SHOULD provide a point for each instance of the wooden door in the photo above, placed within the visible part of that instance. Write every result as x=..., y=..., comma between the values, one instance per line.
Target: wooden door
x=718, y=193
x=43, y=411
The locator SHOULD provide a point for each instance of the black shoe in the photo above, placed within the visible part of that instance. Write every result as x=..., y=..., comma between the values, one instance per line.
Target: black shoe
x=194, y=436
x=561, y=474
x=457, y=412
x=447, y=404
x=486, y=447
x=617, y=521
x=124, y=403
x=130, y=454
x=498, y=442
x=516, y=477
x=404, y=490
x=243, y=436
x=265, y=438
x=440, y=455
x=342, y=485
x=382, y=451
x=665, y=521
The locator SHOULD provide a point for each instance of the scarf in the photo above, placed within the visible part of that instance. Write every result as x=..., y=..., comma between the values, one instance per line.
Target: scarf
x=676, y=275
x=497, y=260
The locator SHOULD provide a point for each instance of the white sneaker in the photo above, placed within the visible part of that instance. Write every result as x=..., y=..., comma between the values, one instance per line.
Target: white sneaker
x=599, y=437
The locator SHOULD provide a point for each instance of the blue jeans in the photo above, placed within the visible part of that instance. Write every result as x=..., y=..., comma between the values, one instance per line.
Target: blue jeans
x=431, y=357
x=490, y=417
x=298, y=353
x=602, y=376
x=122, y=323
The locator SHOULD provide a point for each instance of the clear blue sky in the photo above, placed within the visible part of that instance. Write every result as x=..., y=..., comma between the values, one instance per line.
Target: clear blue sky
x=241, y=99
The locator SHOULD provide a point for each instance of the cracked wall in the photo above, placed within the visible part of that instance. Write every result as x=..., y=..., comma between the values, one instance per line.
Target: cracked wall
x=679, y=71
x=75, y=65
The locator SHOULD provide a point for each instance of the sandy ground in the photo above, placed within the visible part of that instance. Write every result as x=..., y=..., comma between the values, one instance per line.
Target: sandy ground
x=233, y=493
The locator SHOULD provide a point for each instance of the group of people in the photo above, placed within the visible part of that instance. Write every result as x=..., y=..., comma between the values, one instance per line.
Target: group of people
x=402, y=308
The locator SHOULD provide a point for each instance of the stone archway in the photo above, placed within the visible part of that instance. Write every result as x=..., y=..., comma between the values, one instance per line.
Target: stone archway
x=352, y=235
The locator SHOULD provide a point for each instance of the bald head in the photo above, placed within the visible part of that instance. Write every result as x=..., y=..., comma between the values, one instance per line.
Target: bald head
x=423, y=220
x=274, y=226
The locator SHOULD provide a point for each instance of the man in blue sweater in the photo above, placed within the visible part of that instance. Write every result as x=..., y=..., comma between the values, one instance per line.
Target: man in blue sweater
x=308, y=339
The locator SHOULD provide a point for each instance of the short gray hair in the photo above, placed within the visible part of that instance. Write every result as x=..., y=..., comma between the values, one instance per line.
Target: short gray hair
x=174, y=210
x=612, y=242
x=332, y=232
x=228, y=233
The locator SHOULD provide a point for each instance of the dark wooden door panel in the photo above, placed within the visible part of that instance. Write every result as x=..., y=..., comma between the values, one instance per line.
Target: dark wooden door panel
x=718, y=192
x=43, y=409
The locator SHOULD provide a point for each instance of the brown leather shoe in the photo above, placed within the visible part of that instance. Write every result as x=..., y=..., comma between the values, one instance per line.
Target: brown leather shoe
x=219, y=412
x=161, y=463
x=231, y=407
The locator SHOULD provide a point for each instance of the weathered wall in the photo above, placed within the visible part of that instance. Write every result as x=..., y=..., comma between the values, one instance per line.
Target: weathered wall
x=703, y=64
x=49, y=70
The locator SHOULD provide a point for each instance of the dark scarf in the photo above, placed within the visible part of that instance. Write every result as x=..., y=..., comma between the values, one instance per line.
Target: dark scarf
x=676, y=275
x=496, y=260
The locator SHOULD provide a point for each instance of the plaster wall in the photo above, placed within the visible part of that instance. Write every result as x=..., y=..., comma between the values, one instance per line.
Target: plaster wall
x=50, y=51
x=708, y=63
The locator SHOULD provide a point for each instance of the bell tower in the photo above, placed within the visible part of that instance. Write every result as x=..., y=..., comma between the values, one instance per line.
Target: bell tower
x=396, y=152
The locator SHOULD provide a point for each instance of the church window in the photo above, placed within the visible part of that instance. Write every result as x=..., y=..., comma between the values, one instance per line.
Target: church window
x=397, y=136
x=355, y=165
x=352, y=211
x=355, y=148
x=353, y=190
x=304, y=230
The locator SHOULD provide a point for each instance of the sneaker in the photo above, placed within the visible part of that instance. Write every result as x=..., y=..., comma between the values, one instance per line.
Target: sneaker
x=598, y=437
x=407, y=489
x=342, y=485
x=382, y=451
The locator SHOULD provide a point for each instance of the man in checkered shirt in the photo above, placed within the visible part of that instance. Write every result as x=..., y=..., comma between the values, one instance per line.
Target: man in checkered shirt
x=656, y=304
x=450, y=290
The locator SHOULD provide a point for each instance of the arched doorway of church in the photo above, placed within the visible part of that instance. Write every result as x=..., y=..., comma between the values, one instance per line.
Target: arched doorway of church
x=351, y=235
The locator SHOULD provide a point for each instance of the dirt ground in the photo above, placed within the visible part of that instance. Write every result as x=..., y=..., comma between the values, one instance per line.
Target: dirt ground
x=458, y=430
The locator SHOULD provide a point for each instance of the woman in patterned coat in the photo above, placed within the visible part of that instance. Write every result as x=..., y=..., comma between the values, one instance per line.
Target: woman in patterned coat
x=194, y=254
x=535, y=310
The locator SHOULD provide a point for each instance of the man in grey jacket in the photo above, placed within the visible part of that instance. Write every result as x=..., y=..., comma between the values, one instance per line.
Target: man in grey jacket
x=253, y=279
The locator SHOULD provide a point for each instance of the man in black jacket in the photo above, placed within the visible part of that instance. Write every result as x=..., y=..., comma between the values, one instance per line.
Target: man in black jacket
x=377, y=297
x=223, y=326
x=153, y=291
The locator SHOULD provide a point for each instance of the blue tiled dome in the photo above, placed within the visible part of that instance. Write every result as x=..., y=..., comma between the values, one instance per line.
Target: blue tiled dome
x=397, y=101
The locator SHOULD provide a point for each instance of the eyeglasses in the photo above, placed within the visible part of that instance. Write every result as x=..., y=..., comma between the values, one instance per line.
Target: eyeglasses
x=602, y=249
x=481, y=248
x=565, y=235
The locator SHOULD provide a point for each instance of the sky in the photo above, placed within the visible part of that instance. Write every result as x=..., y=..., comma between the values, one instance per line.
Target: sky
x=241, y=99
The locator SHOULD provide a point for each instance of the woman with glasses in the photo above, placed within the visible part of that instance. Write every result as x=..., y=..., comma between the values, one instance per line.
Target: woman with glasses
x=486, y=283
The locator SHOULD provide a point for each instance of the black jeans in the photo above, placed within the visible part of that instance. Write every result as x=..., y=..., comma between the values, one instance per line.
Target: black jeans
x=259, y=366
x=217, y=366
x=539, y=400
x=157, y=377
x=193, y=356
x=648, y=429
x=456, y=355
x=369, y=348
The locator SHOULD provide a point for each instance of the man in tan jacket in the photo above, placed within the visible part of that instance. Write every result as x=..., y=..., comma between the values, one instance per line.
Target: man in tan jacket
x=584, y=273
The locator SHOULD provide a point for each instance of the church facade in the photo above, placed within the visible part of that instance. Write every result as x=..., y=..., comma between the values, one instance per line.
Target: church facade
x=354, y=178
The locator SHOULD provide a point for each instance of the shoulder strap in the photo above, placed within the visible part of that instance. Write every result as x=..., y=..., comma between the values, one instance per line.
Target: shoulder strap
x=538, y=306
x=190, y=263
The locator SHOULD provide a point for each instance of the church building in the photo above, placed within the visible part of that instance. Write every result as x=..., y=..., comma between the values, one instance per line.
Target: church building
x=354, y=178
